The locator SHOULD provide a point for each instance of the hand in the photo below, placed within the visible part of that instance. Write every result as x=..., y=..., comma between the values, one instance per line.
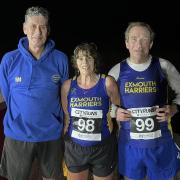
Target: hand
x=166, y=112
x=123, y=114
x=173, y=109
x=163, y=113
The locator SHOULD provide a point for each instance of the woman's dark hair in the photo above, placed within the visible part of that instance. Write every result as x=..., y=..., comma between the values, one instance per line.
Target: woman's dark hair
x=91, y=50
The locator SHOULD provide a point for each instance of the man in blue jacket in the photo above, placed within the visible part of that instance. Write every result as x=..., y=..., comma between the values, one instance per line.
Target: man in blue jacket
x=30, y=81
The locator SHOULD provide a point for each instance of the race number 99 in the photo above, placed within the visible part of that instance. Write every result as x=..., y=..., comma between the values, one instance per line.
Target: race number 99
x=147, y=124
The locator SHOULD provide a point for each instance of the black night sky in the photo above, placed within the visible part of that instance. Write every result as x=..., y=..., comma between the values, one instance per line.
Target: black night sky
x=102, y=22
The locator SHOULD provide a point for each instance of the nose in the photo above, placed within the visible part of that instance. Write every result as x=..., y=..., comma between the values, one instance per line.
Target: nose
x=38, y=30
x=139, y=43
x=84, y=61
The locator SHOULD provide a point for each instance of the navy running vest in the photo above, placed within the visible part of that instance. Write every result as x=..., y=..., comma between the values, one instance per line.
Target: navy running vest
x=89, y=113
x=141, y=93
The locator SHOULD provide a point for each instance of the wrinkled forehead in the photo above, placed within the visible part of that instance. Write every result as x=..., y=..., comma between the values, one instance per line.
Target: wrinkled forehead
x=139, y=31
x=37, y=19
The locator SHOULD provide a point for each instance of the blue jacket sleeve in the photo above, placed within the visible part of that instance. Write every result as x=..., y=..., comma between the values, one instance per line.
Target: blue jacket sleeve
x=64, y=69
x=4, y=85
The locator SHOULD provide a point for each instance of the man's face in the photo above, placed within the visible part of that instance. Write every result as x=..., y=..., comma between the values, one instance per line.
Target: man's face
x=139, y=43
x=36, y=29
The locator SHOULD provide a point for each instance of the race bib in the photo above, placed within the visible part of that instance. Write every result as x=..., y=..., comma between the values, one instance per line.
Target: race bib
x=87, y=124
x=144, y=124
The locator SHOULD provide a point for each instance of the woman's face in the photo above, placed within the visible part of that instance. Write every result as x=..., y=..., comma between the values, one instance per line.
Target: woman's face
x=85, y=62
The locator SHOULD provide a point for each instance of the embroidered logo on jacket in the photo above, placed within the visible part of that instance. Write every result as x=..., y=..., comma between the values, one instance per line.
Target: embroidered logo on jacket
x=18, y=79
x=55, y=78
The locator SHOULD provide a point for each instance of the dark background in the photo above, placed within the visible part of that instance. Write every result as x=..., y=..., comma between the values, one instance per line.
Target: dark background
x=102, y=22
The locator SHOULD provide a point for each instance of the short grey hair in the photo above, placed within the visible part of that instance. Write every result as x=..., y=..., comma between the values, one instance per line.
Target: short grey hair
x=141, y=24
x=37, y=11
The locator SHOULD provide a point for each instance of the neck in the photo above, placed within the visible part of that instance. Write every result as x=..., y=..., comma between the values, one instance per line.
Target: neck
x=36, y=52
x=87, y=81
x=138, y=61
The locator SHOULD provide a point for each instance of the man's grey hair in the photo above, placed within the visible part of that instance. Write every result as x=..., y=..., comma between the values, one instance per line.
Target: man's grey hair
x=141, y=24
x=37, y=11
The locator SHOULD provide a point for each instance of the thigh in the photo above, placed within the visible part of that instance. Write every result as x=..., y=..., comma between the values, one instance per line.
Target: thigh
x=109, y=177
x=104, y=158
x=50, y=155
x=83, y=175
x=17, y=159
x=76, y=156
x=161, y=161
x=130, y=161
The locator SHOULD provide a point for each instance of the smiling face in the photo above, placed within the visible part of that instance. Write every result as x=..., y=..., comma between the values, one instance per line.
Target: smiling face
x=85, y=62
x=86, y=59
x=36, y=29
x=138, y=43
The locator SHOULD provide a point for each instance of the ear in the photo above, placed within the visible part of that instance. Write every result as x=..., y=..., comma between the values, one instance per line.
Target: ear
x=24, y=28
x=127, y=44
